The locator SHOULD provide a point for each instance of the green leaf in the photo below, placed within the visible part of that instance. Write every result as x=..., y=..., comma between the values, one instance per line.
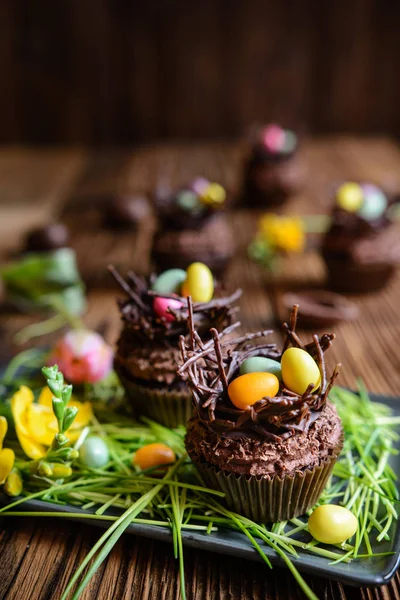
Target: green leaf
x=66, y=393
x=69, y=416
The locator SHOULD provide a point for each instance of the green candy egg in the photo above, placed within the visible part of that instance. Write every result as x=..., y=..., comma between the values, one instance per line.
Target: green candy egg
x=188, y=200
x=169, y=282
x=289, y=142
x=261, y=364
x=94, y=452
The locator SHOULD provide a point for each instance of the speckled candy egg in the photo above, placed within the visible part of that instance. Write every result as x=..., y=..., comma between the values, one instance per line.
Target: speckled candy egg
x=299, y=370
x=199, y=283
x=169, y=282
x=246, y=390
x=261, y=364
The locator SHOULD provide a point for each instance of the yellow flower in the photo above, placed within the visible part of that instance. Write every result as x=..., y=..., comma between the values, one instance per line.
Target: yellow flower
x=36, y=424
x=283, y=232
x=7, y=456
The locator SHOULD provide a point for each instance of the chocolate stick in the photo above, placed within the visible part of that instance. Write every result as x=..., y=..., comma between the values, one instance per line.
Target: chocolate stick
x=190, y=322
x=321, y=362
x=218, y=354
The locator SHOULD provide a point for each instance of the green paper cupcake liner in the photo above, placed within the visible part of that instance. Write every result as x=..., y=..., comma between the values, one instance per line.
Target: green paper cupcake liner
x=170, y=407
x=270, y=500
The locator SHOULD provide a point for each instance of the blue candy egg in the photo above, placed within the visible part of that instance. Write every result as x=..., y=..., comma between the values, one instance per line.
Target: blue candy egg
x=375, y=203
x=94, y=452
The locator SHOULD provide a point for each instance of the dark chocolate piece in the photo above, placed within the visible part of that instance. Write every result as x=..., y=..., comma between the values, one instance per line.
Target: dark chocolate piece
x=47, y=238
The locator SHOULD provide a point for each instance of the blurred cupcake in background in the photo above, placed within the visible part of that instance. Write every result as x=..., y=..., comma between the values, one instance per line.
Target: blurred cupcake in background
x=273, y=170
x=193, y=226
x=362, y=245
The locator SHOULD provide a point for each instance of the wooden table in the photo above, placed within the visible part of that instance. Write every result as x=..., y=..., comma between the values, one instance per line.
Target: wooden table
x=39, y=556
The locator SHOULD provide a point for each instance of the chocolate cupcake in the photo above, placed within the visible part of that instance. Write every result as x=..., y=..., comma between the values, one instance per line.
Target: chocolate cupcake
x=263, y=430
x=273, y=169
x=362, y=246
x=147, y=354
x=193, y=226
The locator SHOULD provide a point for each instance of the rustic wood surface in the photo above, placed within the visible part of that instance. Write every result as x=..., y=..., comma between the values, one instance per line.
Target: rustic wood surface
x=37, y=557
x=117, y=71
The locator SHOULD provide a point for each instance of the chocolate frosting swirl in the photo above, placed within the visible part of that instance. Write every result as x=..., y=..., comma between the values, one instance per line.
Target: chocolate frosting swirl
x=210, y=367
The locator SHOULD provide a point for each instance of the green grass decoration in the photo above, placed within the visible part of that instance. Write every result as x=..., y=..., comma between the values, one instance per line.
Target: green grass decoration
x=363, y=481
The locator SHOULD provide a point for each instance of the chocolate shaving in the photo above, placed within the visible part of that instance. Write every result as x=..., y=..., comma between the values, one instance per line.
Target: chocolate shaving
x=211, y=366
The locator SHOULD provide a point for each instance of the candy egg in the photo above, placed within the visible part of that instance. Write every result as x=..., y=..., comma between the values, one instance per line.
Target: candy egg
x=199, y=185
x=169, y=282
x=350, y=196
x=214, y=194
x=332, y=524
x=274, y=138
x=259, y=364
x=246, y=390
x=199, y=283
x=299, y=369
x=94, y=452
x=375, y=203
x=161, y=306
x=290, y=141
x=153, y=455
x=189, y=201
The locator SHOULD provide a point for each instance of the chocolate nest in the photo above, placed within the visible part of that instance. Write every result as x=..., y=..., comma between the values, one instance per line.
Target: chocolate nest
x=212, y=365
x=144, y=325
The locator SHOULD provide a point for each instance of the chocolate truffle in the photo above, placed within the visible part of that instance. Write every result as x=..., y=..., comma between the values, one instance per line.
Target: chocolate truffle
x=47, y=238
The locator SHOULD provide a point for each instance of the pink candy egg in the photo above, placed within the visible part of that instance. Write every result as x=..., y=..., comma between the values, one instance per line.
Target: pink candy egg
x=273, y=137
x=161, y=305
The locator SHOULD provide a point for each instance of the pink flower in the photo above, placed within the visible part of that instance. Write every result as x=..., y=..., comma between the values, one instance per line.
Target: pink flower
x=83, y=356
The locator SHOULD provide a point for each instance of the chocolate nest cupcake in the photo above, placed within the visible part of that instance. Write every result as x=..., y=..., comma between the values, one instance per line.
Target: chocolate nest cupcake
x=362, y=246
x=147, y=353
x=193, y=226
x=273, y=456
x=273, y=170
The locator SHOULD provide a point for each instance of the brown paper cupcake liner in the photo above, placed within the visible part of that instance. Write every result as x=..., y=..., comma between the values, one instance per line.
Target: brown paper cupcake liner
x=170, y=407
x=270, y=500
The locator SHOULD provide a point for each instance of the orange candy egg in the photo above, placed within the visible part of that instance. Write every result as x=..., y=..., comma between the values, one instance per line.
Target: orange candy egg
x=246, y=390
x=153, y=455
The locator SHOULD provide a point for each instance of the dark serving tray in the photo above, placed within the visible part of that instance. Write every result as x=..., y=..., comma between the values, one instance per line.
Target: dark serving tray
x=364, y=572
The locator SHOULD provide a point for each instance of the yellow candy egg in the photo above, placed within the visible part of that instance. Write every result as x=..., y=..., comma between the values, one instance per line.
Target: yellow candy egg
x=299, y=369
x=350, y=196
x=332, y=524
x=199, y=283
x=214, y=194
x=246, y=390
